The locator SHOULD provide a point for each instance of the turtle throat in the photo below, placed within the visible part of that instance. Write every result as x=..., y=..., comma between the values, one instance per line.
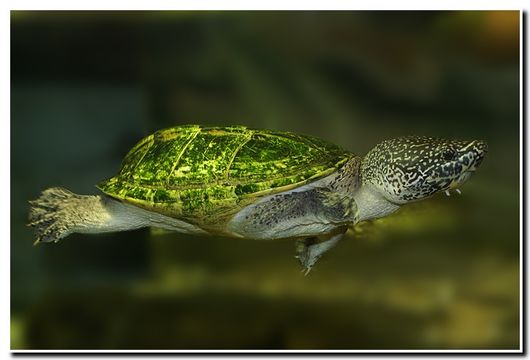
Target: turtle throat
x=371, y=204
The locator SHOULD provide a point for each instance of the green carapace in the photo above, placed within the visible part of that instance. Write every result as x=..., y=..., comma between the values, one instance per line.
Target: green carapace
x=257, y=184
x=197, y=172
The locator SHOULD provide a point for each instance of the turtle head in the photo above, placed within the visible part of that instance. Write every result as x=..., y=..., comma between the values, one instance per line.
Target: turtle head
x=414, y=168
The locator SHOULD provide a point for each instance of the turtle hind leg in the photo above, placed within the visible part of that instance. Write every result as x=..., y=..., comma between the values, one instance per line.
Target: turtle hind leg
x=44, y=215
x=58, y=212
x=309, y=250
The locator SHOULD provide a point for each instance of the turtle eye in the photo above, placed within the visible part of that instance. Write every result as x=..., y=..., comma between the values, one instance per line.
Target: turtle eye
x=448, y=154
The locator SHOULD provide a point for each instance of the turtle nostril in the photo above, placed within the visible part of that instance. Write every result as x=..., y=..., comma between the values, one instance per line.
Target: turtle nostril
x=479, y=146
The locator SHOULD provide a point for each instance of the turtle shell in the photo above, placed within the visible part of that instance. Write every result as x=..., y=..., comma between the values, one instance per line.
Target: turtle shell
x=193, y=171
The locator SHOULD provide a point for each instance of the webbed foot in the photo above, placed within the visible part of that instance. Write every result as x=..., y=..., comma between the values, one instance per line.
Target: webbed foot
x=44, y=215
x=59, y=212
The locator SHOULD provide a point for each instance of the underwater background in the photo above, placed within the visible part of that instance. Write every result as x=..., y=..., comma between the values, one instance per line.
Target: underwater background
x=438, y=274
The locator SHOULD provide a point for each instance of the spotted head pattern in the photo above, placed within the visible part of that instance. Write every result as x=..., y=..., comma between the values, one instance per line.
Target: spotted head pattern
x=413, y=168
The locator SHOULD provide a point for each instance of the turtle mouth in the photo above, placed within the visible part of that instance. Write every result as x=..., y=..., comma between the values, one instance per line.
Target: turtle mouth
x=459, y=181
x=470, y=162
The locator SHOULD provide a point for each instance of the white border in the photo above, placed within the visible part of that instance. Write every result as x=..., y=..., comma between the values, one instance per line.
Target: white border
x=522, y=117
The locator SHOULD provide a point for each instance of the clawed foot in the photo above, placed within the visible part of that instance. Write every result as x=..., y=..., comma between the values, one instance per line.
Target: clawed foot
x=303, y=254
x=309, y=250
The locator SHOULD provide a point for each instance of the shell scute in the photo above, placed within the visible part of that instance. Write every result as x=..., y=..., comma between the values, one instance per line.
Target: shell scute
x=164, y=149
x=200, y=171
x=207, y=158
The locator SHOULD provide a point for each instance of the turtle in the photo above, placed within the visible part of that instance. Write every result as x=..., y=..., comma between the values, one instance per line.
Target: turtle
x=256, y=184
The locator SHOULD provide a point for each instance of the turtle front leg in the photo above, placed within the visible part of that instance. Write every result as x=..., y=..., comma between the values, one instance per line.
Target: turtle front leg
x=309, y=250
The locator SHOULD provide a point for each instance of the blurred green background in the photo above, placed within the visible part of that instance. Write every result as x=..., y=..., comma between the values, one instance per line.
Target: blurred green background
x=442, y=273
